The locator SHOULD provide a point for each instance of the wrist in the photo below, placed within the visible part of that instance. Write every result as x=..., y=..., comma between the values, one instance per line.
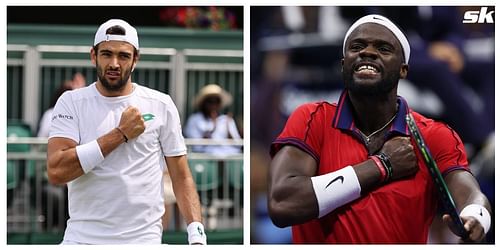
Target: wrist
x=381, y=168
x=89, y=155
x=478, y=212
x=196, y=233
x=335, y=189
x=123, y=134
x=384, y=159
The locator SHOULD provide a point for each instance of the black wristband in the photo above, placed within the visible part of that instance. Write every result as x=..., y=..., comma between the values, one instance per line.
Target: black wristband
x=387, y=165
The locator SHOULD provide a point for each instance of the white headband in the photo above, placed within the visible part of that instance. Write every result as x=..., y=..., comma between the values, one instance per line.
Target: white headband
x=386, y=23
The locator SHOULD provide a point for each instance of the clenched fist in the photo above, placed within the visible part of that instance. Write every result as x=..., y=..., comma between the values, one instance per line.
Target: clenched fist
x=132, y=123
x=402, y=157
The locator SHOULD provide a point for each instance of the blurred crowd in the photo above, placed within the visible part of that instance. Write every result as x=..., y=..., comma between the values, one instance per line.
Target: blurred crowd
x=295, y=58
x=197, y=17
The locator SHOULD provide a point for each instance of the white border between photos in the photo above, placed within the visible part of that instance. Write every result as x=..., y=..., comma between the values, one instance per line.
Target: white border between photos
x=246, y=96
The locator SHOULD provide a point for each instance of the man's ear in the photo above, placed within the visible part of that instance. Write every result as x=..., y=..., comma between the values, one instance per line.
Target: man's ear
x=403, y=71
x=133, y=66
x=136, y=59
x=93, y=56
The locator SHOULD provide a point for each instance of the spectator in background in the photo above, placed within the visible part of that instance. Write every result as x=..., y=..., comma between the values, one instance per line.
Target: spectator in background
x=210, y=124
x=440, y=63
x=78, y=81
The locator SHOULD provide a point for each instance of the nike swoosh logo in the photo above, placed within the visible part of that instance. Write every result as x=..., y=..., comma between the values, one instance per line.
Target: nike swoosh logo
x=340, y=177
x=481, y=212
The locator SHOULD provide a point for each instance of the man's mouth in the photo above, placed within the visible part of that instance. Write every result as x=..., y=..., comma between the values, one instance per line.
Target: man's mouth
x=367, y=69
x=113, y=74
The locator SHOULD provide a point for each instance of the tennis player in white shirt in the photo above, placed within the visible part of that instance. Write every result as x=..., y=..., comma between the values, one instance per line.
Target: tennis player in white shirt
x=109, y=143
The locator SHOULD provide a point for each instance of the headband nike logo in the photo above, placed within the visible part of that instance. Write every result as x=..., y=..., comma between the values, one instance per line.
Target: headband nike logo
x=340, y=177
x=481, y=212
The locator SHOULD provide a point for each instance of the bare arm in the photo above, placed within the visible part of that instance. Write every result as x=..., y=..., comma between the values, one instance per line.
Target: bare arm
x=291, y=197
x=63, y=164
x=184, y=188
x=465, y=191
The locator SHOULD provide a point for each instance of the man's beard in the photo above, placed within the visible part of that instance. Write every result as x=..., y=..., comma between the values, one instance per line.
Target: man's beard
x=384, y=86
x=120, y=84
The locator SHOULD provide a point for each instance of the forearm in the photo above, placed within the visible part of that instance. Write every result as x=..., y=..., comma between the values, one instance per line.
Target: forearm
x=296, y=199
x=188, y=201
x=473, y=198
x=110, y=141
x=64, y=164
x=472, y=204
x=187, y=198
x=465, y=190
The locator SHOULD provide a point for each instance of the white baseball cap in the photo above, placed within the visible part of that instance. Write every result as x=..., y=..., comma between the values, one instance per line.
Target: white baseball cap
x=130, y=33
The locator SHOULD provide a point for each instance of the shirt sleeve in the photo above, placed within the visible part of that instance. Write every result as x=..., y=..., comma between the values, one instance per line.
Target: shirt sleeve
x=447, y=149
x=171, y=139
x=64, y=121
x=303, y=130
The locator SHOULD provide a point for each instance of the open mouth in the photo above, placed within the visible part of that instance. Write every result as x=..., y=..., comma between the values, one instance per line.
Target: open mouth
x=113, y=74
x=366, y=69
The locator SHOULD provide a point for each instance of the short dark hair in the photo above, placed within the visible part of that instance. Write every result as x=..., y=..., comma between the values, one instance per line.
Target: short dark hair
x=115, y=30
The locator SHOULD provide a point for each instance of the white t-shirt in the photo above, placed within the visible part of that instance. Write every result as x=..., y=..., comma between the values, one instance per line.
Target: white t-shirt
x=223, y=127
x=121, y=200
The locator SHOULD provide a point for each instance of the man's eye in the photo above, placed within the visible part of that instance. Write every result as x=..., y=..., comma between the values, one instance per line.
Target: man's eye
x=384, y=49
x=356, y=47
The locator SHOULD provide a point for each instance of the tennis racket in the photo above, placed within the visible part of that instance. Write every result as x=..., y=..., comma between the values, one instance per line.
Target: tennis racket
x=443, y=192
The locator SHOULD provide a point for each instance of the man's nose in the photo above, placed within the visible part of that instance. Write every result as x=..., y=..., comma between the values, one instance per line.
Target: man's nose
x=368, y=51
x=114, y=62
